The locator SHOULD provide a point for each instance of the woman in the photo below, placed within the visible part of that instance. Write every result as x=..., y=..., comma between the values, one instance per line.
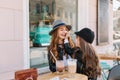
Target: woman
x=61, y=43
x=87, y=59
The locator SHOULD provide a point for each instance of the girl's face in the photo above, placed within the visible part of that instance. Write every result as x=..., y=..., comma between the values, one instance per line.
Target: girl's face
x=62, y=31
x=77, y=41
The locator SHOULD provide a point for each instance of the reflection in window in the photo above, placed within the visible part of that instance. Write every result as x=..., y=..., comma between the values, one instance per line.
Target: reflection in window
x=58, y=13
x=53, y=7
x=116, y=19
x=71, y=15
x=66, y=15
x=38, y=8
x=42, y=14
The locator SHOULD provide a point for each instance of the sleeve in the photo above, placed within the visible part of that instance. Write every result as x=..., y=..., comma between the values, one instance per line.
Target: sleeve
x=79, y=67
x=52, y=65
x=78, y=56
x=68, y=49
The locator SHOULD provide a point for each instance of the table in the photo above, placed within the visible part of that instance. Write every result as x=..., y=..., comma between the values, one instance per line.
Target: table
x=108, y=57
x=51, y=75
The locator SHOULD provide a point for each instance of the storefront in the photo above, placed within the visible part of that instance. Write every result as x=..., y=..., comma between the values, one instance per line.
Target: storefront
x=24, y=23
x=93, y=14
x=116, y=24
x=42, y=13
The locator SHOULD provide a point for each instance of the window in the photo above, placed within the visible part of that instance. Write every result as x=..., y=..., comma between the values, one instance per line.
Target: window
x=116, y=19
x=42, y=15
x=37, y=8
x=103, y=22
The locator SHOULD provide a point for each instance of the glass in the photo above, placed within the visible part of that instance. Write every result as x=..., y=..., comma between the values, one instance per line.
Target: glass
x=116, y=19
x=60, y=66
x=38, y=58
x=72, y=65
x=103, y=22
x=43, y=13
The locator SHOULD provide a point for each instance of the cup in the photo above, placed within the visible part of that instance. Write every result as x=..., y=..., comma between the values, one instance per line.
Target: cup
x=72, y=65
x=60, y=66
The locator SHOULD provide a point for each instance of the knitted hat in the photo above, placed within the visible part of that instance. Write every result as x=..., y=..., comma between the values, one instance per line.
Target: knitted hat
x=86, y=34
x=57, y=24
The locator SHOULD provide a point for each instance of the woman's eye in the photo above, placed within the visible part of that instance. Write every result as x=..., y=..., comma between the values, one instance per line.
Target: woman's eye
x=66, y=30
x=61, y=29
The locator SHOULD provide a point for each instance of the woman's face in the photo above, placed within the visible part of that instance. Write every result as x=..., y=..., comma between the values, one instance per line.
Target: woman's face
x=77, y=41
x=62, y=31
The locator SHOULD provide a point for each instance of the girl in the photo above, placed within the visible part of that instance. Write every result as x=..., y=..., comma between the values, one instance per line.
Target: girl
x=61, y=43
x=87, y=59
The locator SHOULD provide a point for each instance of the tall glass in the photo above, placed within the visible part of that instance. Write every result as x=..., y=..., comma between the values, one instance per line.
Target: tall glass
x=72, y=66
x=60, y=66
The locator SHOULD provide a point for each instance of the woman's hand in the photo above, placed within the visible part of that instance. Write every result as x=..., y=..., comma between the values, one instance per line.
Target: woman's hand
x=67, y=35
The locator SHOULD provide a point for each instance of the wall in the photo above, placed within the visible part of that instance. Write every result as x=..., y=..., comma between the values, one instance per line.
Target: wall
x=92, y=22
x=87, y=17
x=11, y=38
x=82, y=14
x=12, y=33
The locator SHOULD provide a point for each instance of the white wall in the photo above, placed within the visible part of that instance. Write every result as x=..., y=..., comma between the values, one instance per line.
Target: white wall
x=103, y=48
x=82, y=13
x=92, y=24
x=87, y=17
x=13, y=32
x=11, y=38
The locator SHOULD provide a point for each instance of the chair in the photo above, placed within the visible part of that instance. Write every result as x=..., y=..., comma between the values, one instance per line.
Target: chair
x=26, y=74
x=105, y=70
x=114, y=73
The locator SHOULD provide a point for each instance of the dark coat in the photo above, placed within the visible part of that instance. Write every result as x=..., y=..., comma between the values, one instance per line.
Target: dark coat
x=67, y=49
x=78, y=55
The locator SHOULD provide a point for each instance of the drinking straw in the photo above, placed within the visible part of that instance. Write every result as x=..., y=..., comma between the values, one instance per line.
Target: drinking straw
x=53, y=55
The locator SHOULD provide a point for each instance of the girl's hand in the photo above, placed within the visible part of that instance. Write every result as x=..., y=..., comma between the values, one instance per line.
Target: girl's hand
x=67, y=35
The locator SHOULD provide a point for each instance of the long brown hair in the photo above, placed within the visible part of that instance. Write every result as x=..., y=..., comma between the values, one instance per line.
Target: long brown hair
x=54, y=42
x=90, y=59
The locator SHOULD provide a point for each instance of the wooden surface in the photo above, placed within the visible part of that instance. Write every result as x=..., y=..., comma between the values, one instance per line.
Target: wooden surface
x=108, y=57
x=66, y=75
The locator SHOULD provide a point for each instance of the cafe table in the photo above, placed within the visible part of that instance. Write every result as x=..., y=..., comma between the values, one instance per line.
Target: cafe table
x=64, y=76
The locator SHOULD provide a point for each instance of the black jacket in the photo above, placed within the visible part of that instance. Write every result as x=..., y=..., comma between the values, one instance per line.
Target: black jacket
x=67, y=49
x=78, y=55
x=80, y=65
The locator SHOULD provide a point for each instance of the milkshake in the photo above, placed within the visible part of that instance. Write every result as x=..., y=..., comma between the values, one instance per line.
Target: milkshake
x=60, y=66
x=72, y=65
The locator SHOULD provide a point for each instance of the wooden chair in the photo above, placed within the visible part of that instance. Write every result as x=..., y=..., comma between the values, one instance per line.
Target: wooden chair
x=26, y=74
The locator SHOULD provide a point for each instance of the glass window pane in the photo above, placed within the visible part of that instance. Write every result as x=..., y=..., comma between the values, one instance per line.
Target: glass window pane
x=42, y=13
x=116, y=19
